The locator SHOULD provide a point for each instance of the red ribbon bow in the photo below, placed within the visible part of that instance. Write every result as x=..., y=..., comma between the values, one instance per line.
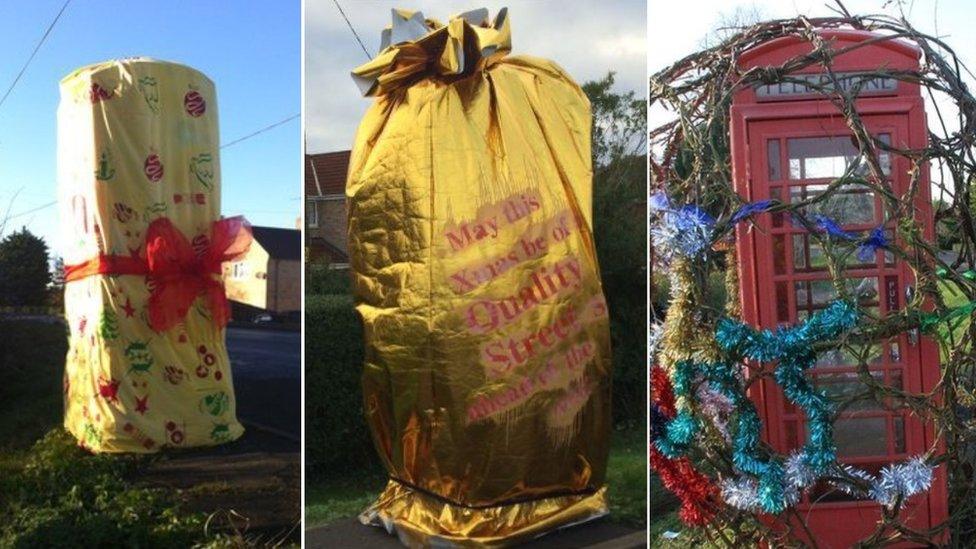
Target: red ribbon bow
x=176, y=271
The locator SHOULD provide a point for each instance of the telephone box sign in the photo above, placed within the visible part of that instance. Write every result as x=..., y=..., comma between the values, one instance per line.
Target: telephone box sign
x=864, y=83
x=788, y=144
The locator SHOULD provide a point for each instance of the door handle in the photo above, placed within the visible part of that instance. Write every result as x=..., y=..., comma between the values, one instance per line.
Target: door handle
x=913, y=333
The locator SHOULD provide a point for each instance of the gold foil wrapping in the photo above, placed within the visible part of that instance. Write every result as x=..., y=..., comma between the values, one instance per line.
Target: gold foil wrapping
x=487, y=375
x=138, y=140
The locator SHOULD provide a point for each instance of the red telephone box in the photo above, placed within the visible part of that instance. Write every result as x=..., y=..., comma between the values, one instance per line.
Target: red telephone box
x=787, y=144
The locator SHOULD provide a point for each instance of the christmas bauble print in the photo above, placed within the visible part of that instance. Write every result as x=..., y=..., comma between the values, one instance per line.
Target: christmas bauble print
x=194, y=103
x=153, y=168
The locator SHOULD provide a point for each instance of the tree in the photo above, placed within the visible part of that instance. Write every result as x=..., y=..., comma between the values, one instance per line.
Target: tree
x=619, y=121
x=619, y=232
x=24, y=274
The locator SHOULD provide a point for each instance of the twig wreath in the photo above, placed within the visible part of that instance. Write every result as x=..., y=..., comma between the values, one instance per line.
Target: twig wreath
x=705, y=431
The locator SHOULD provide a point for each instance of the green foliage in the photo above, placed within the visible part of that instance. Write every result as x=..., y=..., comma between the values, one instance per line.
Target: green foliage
x=619, y=232
x=24, y=273
x=320, y=279
x=31, y=364
x=336, y=435
x=947, y=228
x=64, y=497
x=619, y=121
x=54, y=494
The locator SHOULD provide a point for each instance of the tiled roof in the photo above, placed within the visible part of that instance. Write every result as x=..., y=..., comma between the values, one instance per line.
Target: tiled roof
x=279, y=243
x=335, y=254
x=325, y=173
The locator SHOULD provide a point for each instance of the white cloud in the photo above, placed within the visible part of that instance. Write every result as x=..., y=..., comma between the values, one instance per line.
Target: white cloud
x=586, y=38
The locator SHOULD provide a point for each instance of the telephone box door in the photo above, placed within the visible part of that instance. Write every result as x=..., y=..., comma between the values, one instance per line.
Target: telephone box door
x=791, y=160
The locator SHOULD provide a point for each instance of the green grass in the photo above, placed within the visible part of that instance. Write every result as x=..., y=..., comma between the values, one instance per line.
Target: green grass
x=664, y=516
x=953, y=298
x=332, y=499
x=53, y=493
x=627, y=477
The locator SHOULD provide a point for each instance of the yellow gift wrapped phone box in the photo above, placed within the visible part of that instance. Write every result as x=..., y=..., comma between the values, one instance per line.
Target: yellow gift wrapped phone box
x=139, y=196
x=487, y=374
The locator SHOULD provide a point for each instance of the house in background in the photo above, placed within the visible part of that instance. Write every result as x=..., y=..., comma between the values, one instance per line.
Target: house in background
x=268, y=278
x=325, y=207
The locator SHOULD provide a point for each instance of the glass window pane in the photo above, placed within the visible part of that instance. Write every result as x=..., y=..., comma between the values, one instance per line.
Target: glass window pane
x=844, y=388
x=848, y=205
x=899, y=428
x=782, y=303
x=776, y=193
x=779, y=254
x=808, y=254
x=850, y=356
x=828, y=157
x=861, y=436
x=815, y=293
x=772, y=159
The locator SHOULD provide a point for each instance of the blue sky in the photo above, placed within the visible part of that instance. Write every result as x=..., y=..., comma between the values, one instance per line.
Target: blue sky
x=250, y=48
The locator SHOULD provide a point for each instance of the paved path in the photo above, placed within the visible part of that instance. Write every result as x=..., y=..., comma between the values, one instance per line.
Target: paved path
x=267, y=377
x=600, y=534
x=252, y=485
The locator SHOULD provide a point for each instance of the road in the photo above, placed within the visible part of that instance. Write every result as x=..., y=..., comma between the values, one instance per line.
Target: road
x=267, y=377
x=601, y=534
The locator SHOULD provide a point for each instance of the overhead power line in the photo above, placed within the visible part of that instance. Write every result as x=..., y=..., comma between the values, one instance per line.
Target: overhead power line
x=354, y=33
x=32, y=210
x=33, y=53
x=234, y=142
x=258, y=132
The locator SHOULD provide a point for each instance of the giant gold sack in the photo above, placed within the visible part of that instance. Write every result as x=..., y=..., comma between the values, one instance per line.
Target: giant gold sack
x=139, y=197
x=487, y=373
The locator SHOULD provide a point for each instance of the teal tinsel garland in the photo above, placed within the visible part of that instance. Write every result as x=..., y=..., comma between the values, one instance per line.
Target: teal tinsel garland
x=792, y=347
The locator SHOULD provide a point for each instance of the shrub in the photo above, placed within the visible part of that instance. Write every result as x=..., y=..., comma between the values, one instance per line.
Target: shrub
x=64, y=497
x=23, y=269
x=336, y=434
x=322, y=280
x=619, y=229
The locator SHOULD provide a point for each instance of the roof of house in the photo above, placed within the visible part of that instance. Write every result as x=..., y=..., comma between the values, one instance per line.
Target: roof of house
x=279, y=243
x=336, y=255
x=325, y=173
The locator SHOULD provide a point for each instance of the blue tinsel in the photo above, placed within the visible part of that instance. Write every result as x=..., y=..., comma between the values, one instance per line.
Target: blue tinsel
x=829, y=226
x=686, y=231
x=875, y=241
x=750, y=209
x=658, y=202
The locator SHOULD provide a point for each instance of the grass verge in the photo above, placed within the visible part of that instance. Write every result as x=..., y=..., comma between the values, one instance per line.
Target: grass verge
x=327, y=500
x=53, y=493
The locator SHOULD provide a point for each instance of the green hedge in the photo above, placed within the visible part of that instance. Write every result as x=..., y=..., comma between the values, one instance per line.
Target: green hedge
x=322, y=280
x=336, y=434
x=620, y=237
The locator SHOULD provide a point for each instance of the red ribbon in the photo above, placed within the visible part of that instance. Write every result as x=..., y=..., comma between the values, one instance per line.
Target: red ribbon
x=176, y=271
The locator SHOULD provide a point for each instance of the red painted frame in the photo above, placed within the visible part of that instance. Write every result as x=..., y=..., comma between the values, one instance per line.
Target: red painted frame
x=901, y=112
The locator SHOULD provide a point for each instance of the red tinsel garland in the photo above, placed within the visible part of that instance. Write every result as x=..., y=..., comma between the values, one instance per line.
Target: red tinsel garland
x=679, y=476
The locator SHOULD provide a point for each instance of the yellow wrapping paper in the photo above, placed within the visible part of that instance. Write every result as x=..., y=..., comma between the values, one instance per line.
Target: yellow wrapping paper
x=487, y=375
x=137, y=141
